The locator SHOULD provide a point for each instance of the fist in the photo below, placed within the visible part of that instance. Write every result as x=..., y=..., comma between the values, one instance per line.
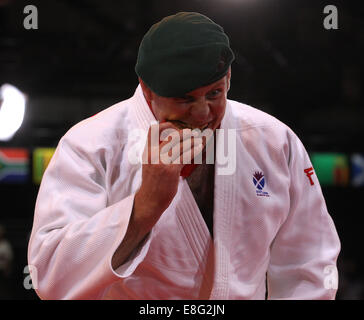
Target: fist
x=166, y=151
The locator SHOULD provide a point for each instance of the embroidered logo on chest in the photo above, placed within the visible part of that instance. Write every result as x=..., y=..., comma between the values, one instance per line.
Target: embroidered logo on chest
x=259, y=183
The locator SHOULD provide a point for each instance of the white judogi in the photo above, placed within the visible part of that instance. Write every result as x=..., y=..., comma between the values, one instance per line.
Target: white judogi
x=86, y=198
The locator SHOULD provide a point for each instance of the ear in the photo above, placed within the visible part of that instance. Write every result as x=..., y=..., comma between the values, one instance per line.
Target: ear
x=228, y=77
x=146, y=91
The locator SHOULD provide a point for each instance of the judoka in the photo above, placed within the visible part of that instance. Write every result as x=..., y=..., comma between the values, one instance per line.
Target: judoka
x=106, y=227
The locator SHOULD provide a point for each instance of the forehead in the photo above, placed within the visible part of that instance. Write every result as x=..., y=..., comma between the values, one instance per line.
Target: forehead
x=203, y=90
x=199, y=92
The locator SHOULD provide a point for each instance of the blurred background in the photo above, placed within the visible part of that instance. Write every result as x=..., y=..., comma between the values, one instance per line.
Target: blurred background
x=81, y=60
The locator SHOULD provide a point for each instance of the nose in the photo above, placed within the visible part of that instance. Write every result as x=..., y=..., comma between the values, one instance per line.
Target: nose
x=200, y=111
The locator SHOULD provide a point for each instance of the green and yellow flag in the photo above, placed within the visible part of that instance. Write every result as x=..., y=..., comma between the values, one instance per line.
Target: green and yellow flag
x=41, y=159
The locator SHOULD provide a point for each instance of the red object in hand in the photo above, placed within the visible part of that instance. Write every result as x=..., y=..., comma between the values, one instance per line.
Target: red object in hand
x=188, y=169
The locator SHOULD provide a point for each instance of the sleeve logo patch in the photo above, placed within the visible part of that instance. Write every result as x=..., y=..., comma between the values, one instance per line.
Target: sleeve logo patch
x=309, y=172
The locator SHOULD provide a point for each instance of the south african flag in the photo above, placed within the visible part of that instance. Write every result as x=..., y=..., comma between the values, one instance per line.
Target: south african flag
x=14, y=165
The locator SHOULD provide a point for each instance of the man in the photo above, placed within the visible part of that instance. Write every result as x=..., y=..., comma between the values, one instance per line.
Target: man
x=109, y=227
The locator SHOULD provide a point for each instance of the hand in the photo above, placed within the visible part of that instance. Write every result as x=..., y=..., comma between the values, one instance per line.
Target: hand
x=161, y=169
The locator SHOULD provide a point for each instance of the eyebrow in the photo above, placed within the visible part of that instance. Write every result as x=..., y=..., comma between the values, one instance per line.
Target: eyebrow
x=184, y=97
x=187, y=97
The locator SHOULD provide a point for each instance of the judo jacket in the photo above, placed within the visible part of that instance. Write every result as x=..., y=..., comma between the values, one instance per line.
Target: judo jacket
x=273, y=236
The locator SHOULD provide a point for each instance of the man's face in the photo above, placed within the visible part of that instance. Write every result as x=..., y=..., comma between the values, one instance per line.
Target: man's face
x=201, y=108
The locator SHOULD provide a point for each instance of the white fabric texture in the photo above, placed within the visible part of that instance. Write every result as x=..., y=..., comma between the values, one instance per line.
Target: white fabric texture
x=86, y=198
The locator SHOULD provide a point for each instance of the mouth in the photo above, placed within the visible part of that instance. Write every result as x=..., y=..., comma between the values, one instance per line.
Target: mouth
x=183, y=125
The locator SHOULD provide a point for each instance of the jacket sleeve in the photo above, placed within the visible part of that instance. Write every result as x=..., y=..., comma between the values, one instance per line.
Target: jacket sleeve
x=75, y=233
x=305, y=249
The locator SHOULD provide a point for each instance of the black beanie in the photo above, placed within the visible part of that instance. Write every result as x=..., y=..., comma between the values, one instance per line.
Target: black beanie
x=183, y=52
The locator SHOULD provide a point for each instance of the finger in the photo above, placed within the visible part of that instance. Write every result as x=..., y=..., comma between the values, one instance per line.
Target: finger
x=166, y=125
x=152, y=148
x=185, y=154
x=172, y=137
x=169, y=154
x=163, y=137
x=156, y=128
x=180, y=146
x=190, y=154
x=150, y=154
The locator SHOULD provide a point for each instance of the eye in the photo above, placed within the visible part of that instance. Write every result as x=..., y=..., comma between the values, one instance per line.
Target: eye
x=214, y=93
x=183, y=100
